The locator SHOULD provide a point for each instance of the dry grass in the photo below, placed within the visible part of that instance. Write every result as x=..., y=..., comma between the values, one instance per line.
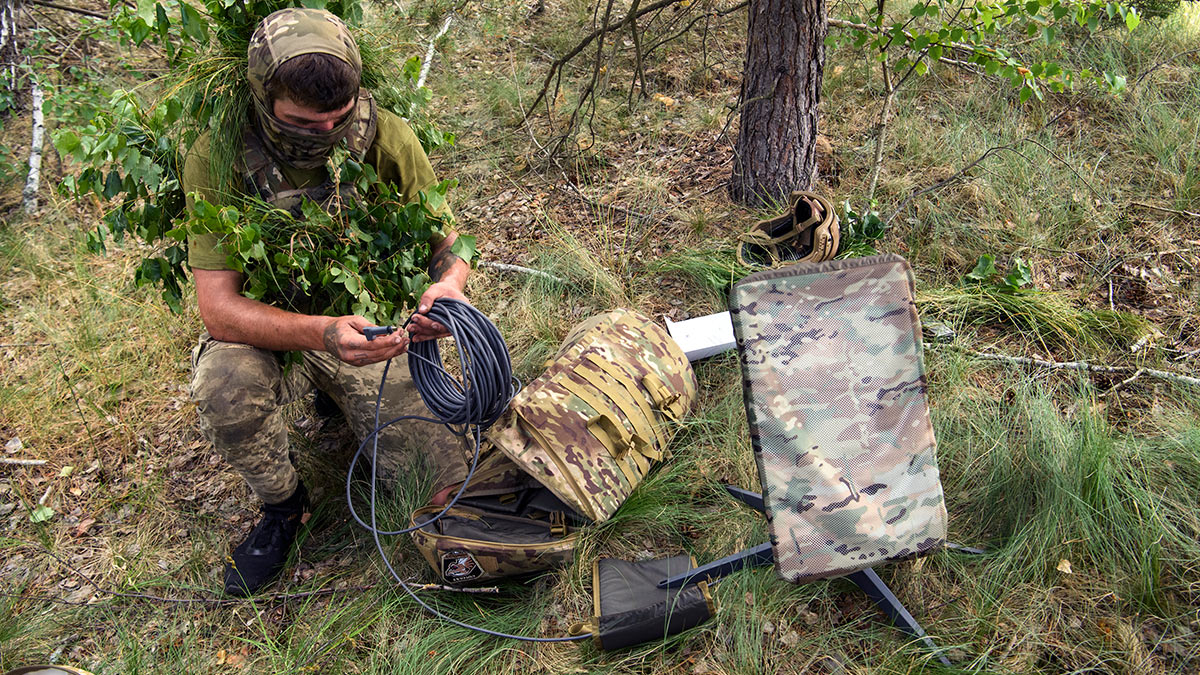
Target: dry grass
x=1037, y=467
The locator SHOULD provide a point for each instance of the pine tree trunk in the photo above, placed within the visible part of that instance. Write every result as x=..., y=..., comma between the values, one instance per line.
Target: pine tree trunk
x=781, y=87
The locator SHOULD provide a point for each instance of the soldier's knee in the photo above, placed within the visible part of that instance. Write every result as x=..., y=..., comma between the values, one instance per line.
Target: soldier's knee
x=236, y=391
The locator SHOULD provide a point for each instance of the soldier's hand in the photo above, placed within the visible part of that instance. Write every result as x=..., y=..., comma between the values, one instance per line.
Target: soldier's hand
x=344, y=339
x=424, y=328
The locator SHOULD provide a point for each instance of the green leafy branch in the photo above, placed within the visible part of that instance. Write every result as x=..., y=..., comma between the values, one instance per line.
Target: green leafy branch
x=131, y=152
x=935, y=30
x=366, y=255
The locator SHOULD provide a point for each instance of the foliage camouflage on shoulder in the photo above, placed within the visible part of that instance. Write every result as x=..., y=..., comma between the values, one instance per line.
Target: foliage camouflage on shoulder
x=363, y=255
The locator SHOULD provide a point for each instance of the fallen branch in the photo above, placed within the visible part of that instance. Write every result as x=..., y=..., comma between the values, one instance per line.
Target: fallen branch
x=430, y=51
x=1163, y=209
x=504, y=267
x=961, y=173
x=22, y=462
x=1086, y=367
x=35, y=153
x=68, y=8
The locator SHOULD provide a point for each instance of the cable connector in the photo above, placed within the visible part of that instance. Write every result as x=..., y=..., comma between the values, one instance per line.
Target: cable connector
x=372, y=332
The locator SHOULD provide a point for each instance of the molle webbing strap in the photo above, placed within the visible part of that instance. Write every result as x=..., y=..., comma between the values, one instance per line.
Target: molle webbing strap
x=640, y=416
x=636, y=394
x=667, y=401
x=613, y=434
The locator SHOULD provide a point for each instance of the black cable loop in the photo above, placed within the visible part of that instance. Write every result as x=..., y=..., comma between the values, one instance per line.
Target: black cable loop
x=464, y=407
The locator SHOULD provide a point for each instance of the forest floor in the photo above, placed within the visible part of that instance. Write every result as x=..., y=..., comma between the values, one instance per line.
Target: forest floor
x=1082, y=486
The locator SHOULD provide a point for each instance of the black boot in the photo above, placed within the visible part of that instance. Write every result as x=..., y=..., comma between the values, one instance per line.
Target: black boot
x=259, y=559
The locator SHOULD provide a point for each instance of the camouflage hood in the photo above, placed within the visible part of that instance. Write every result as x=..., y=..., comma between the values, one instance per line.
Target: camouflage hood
x=281, y=36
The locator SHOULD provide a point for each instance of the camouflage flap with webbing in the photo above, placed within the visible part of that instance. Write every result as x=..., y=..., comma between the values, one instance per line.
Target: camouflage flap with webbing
x=602, y=413
x=835, y=400
x=470, y=545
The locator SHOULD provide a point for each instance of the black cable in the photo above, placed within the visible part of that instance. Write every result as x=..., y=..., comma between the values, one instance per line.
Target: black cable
x=464, y=407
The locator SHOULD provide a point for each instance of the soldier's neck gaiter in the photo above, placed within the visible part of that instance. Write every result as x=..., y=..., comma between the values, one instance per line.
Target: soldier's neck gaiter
x=284, y=35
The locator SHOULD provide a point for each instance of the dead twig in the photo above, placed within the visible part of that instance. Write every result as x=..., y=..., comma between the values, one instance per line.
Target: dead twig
x=605, y=27
x=16, y=461
x=67, y=8
x=1136, y=374
x=504, y=267
x=224, y=602
x=628, y=213
x=1084, y=366
x=960, y=175
x=1160, y=64
x=1163, y=209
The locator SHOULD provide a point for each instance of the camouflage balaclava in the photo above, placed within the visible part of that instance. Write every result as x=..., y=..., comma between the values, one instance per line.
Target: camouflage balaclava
x=281, y=36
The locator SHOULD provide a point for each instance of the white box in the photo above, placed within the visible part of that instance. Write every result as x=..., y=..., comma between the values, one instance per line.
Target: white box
x=703, y=336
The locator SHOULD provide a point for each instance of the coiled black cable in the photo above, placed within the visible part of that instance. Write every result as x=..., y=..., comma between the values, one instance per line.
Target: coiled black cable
x=466, y=407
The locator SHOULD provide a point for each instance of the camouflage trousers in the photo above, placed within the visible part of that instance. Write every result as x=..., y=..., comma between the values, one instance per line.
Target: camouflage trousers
x=240, y=391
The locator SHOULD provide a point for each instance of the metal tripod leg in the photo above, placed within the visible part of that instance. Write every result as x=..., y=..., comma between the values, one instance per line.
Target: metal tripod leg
x=882, y=596
x=867, y=580
x=752, y=557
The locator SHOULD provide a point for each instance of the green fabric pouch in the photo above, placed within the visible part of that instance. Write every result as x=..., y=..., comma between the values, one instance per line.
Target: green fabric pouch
x=630, y=609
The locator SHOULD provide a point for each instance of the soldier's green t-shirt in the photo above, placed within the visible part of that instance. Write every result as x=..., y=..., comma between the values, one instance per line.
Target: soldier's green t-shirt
x=396, y=155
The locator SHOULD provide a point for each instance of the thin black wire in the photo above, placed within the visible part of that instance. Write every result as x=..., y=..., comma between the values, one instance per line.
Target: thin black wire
x=467, y=407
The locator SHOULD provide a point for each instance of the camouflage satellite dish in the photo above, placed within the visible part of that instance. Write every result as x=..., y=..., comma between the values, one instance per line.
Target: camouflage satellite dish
x=835, y=399
x=48, y=670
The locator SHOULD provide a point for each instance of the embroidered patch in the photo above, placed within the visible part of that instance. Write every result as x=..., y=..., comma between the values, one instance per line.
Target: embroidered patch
x=459, y=566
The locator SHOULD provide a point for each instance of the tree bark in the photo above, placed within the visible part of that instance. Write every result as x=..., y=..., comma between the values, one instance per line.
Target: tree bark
x=781, y=87
x=8, y=43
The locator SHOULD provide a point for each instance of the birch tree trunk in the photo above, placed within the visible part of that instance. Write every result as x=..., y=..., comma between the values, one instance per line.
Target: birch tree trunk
x=8, y=43
x=781, y=87
x=33, y=180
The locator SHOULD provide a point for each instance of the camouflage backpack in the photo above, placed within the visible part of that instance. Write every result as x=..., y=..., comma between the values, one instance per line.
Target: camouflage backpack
x=835, y=400
x=571, y=448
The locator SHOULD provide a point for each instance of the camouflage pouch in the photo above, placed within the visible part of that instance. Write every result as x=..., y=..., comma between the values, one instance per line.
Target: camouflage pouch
x=835, y=399
x=469, y=545
x=572, y=447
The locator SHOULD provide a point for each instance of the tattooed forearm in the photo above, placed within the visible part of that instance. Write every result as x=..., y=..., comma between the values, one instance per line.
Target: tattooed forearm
x=330, y=340
x=441, y=264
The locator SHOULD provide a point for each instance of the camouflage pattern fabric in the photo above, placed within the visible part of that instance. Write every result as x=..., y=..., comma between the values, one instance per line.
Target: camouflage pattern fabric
x=263, y=178
x=239, y=391
x=835, y=399
x=286, y=34
x=473, y=555
x=602, y=413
